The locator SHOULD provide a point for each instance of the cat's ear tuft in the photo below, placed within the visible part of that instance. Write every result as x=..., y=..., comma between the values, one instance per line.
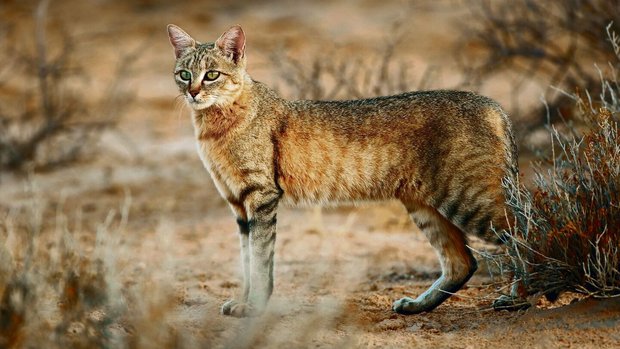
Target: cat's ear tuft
x=180, y=40
x=232, y=43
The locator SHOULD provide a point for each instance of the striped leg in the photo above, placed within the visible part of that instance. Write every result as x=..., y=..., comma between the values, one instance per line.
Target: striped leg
x=244, y=240
x=257, y=246
x=457, y=262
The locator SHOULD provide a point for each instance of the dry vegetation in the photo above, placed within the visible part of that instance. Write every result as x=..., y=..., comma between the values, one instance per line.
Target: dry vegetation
x=567, y=230
x=335, y=75
x=71, y=282
x=554, y=42
x=67, y=286
x=53, y=121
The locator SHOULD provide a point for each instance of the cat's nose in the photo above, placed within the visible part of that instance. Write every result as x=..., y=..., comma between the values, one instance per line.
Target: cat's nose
x=194, y=93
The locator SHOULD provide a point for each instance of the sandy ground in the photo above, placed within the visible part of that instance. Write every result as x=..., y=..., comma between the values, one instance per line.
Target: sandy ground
x=337, y=270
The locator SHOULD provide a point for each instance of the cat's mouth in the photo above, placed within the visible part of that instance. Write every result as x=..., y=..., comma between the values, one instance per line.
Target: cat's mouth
x=201, y=103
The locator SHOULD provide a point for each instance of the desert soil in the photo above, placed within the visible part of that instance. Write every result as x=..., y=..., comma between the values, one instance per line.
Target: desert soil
x=338, y=270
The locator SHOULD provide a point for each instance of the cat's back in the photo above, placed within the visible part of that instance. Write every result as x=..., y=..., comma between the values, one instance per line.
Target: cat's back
x=425, y=113
x=420, y=106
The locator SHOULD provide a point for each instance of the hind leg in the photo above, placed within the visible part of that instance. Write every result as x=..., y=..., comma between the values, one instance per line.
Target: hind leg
x=457, y=262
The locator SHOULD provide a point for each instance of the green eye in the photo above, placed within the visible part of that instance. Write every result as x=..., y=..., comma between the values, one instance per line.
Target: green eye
x=212, y=75
x=185, y=75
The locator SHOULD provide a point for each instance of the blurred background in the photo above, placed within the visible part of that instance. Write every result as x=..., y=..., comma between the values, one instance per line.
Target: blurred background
x=96, y=142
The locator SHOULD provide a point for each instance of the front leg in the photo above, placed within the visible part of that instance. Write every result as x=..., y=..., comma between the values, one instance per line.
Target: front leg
x=257, y=254
x=235, y=307
x=262, y=242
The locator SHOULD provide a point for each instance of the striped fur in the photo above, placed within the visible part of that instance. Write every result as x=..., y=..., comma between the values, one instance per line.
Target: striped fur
x=443, y=154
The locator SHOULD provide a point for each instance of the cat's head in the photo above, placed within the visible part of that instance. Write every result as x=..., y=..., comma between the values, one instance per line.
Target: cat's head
x=211, y=73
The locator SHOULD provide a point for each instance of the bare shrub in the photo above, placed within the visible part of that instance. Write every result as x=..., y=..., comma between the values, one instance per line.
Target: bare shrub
x=566, y=234
x=552, y=41
x=51, y=122
x=333, y=74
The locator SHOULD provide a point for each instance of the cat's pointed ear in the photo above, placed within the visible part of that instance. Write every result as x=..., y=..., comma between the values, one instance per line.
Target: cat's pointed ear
x=232, y=43
x=180, y=40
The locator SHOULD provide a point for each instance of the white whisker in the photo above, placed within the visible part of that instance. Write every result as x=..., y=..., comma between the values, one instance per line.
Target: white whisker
x=179, y=105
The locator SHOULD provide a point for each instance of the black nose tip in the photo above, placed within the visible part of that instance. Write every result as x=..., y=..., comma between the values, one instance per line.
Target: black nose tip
x=194, y=93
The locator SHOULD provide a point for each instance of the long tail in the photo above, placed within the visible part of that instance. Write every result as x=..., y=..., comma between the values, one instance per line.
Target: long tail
x=511, y=179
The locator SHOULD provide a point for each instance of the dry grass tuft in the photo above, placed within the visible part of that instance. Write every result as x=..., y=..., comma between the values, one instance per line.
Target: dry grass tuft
x=63, y=287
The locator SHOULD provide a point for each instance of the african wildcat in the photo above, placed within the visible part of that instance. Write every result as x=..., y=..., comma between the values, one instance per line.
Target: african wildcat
x=443, y=154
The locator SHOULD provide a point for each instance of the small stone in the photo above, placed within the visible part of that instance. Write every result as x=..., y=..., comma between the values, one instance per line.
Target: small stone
x=414, y=328
x=390, y=324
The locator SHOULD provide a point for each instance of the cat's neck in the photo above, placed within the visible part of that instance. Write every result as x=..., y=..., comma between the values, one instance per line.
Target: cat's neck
x=218, y=121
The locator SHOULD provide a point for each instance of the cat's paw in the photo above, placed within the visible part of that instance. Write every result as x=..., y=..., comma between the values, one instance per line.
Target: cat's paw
x=510, y=303
x=408, y=306
x=236, y=309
